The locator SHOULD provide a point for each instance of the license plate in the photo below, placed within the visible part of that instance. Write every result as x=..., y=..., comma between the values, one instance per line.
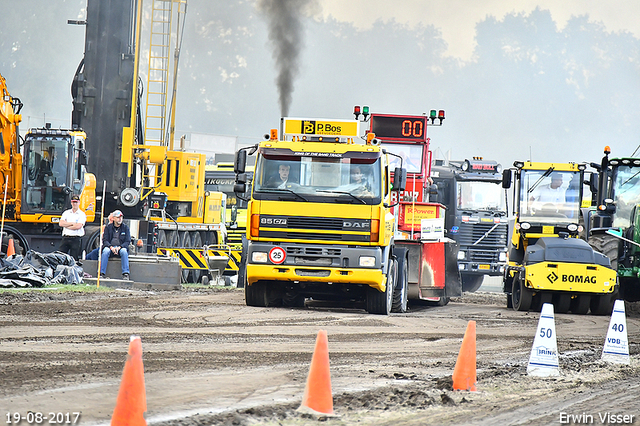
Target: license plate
x=484, y=266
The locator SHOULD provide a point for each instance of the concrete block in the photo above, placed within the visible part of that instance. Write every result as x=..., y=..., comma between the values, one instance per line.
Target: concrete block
x=142, y=269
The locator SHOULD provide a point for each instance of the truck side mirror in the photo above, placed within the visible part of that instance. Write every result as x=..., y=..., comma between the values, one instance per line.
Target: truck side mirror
x=240, y=188
x=240, y=162
x=399, y=179
x=83, y=158
x=506, y=178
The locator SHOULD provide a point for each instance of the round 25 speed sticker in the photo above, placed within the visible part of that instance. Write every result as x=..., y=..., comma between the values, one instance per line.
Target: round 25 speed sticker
x=277, y=255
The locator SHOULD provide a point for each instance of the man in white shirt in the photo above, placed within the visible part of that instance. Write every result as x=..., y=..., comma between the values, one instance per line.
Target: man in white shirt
x=72, y=223
x=551, y=193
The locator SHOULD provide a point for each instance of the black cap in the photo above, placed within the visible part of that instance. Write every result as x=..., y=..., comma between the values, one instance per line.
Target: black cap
x=75, y=198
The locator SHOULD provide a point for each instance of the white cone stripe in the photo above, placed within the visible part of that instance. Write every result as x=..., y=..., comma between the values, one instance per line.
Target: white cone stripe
x=544, y=365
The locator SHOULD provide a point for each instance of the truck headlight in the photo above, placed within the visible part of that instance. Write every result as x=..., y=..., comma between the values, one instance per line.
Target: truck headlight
x=259, y=257
x=502, y=257
x=367, y=261
x=461, y=255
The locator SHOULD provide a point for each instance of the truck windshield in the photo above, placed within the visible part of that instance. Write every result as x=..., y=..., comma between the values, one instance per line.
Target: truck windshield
x=341, y=179
x=411, y=156
x=473, y=195
x=550, y=196
x=626, y=194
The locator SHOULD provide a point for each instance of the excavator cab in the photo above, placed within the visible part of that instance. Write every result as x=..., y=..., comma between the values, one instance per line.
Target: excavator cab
x=53, y=170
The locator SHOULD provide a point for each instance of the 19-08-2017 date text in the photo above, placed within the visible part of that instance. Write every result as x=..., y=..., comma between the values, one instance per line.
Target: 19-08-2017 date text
x=34, y=417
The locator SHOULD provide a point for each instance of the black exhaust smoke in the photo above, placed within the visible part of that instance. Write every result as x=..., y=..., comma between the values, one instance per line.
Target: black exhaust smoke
x=286, y=37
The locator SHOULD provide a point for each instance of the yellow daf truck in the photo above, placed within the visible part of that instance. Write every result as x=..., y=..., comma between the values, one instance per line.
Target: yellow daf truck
x=548, y=263
x=319, y=220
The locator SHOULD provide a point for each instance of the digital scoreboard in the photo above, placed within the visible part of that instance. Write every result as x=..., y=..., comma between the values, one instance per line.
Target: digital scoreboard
x=399, y=127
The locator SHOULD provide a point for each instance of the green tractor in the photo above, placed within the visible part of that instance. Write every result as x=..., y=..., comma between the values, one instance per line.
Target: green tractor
x=613, y=225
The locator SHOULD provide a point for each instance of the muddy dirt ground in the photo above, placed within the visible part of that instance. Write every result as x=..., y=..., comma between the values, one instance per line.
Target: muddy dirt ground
x=211, y=360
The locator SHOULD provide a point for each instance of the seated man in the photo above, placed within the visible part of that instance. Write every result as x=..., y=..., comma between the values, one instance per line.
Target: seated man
x=363, y=188
x=94, y=254
x=115, y=242
x=282, y=179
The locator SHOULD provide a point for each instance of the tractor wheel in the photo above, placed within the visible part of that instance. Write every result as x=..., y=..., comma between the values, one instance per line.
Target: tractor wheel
x=607, y=245
x=521, y=295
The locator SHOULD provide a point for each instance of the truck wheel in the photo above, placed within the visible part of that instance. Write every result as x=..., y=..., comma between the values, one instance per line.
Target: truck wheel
x=580, y=304
x=162, y=238
x=521, y=295
x=379, y=302
x=263, y=294
x=292, y=299
x=196, y=242
x=561, y=303
x=603, y=304
x=185, y=242
x=471, y=283
x=256, y=295
x=400, y=293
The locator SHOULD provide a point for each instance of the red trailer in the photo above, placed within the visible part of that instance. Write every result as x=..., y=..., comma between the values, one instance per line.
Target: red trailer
x=429, y=255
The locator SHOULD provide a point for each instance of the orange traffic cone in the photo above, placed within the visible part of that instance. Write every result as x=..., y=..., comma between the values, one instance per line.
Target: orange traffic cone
x=132, y=399
x=11, y=250
x=317, y=394
x=464, y=373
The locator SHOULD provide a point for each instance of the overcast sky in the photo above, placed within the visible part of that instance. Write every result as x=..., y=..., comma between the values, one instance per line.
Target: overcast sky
x=457, y=19
x=520, y=79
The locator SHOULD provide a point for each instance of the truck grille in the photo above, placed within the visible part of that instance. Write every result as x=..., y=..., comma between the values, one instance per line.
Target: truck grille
x=469, y=233
x=483, y=256
x=311, y=228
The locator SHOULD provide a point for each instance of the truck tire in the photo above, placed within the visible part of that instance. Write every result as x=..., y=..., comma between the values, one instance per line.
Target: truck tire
x=521, y=295
x=162, y=238
x=400, y=293
x=263, y=294
x=196, y=242
x=580, y=304
x=242, y=268
x=471, y=283
x=256, y=295
x=380, y=302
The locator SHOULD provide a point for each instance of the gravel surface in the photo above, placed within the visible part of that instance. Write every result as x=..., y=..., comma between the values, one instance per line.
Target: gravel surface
x=211, y=360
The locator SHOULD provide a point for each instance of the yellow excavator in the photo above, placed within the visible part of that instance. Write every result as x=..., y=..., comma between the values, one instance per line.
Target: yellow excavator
x=39, y=174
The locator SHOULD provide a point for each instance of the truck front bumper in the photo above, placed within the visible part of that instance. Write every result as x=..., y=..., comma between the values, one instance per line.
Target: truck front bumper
x=371, y=277
x=317, y=263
